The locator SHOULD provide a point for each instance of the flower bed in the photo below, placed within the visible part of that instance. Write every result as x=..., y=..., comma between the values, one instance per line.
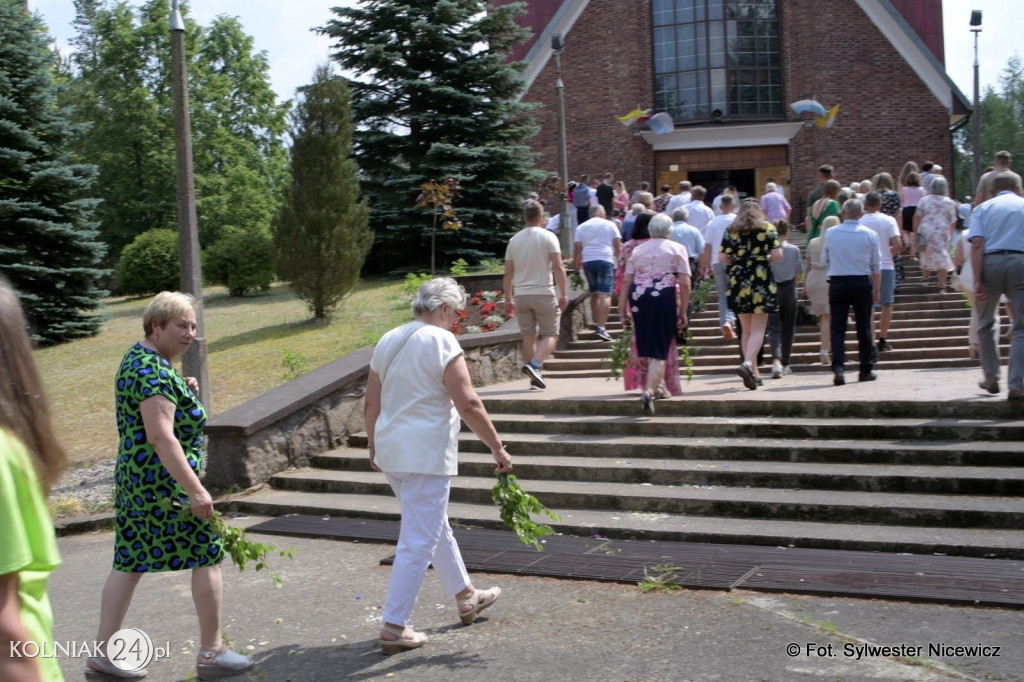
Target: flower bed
x=485, y=312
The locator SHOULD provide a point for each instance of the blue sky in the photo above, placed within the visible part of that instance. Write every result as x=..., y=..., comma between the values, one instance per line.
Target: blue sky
x=281, y=28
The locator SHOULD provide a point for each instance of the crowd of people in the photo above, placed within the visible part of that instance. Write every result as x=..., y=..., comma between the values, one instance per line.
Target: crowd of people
x=860, y=237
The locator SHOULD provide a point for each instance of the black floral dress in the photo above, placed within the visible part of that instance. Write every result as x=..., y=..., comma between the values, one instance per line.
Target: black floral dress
x=154, y=530
x=752, y=287
x=891, y=206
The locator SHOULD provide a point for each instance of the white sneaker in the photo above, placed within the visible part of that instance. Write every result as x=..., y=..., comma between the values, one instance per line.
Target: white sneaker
x=787, y=371
x=825, y=359
x=776, y=370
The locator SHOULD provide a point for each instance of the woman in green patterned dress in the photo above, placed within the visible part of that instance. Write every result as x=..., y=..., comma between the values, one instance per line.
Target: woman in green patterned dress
x=160, y=424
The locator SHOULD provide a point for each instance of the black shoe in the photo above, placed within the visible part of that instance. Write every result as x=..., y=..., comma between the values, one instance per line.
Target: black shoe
x=884, y=346
x=874, y=355
x=747, y=375
x=535, y=377
x=839, y=379
x=867, y=376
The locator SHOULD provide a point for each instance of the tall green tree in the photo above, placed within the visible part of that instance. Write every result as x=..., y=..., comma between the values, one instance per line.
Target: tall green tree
x=434, y=96
x=1002, y=126
x=320, y=234
x=49, y=246
x=121, y=78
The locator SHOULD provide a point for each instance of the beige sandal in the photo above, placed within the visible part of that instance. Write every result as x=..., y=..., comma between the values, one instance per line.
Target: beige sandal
x=405, y=639
x=480, y=600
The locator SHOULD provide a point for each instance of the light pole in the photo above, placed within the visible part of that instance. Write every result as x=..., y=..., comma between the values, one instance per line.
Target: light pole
x=976, y=114
x=564, y=226
x=195, y=361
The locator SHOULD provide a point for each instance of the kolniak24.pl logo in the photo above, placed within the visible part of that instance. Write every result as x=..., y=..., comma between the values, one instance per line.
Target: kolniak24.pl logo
x=128, y=649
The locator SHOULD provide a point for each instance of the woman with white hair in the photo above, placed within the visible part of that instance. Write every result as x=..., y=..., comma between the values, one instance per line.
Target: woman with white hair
x=418, y=388
x=656, y=292
x=935, y=222
x=816, y=290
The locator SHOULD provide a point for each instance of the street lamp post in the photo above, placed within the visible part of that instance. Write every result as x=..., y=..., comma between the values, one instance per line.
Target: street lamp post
x=564, y=225
x=976, y=114
x=195, y=360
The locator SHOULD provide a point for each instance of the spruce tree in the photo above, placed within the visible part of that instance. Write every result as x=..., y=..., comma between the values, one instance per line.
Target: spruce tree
x=435, y=97
x=320, y=234
x=49, y=246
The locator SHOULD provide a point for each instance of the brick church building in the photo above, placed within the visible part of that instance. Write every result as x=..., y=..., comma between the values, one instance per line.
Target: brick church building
x=727, y=71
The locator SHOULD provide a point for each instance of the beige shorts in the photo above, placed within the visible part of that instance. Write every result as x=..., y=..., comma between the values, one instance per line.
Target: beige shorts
x=538, y=314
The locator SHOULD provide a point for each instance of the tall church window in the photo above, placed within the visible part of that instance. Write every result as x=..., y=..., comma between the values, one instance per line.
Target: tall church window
x=716, y=58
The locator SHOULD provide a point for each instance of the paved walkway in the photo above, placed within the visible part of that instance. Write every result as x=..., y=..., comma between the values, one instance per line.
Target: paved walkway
x=322, y=625
x=923, y=385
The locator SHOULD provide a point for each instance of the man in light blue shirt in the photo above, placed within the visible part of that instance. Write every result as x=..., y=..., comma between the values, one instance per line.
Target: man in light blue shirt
x=690, y=237
x=852, y=260
x=997, y=256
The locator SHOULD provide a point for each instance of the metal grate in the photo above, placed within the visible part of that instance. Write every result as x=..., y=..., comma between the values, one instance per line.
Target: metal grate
x=950, y=580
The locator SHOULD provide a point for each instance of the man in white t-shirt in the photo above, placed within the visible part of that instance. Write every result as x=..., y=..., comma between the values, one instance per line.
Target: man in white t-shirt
x=889, y=242
x=595, y=252
x=680, y=199
x=713, y=233
x=700, y=213
x=532, y=259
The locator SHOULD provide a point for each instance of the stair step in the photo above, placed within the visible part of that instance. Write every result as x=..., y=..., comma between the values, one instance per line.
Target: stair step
x=674, y=527
x=948, y=480
x=993, y=512
x=761, y=427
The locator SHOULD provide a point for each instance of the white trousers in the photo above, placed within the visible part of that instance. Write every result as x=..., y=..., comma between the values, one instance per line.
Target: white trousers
x=425, y=538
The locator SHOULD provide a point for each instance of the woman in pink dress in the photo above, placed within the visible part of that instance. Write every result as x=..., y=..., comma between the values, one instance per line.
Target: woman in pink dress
x=621, y=198
x=655, y=294
x=935, y=222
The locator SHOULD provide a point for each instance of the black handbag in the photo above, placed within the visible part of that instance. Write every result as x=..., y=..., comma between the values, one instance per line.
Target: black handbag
x=804, y=318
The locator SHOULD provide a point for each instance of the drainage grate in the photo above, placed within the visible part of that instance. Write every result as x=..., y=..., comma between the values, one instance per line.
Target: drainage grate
x=950, y=580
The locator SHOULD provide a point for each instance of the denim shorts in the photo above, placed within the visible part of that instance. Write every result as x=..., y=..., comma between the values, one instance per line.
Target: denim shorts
x=888, y=293
x=600, y=276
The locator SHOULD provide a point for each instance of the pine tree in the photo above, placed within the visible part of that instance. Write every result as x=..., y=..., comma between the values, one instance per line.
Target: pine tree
x=435, y=97
x=48, y=239
x=320, y=234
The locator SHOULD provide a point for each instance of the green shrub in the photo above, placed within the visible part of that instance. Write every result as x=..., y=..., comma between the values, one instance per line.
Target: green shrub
x=412, y=283
x=459, y=267
x=241, y=260
x=150, y=264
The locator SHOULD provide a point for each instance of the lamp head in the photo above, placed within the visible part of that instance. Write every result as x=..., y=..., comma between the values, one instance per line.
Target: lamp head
x=556, y=42
x=976, y=17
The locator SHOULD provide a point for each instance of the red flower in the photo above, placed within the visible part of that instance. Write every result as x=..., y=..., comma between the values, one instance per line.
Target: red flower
x=488, y=307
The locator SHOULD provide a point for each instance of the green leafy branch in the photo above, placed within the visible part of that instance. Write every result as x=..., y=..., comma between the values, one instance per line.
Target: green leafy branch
x=516, y=506
x=238, y=546
x=619, y=357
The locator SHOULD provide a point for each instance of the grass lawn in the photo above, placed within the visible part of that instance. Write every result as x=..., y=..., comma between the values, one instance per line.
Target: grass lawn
x=247, y=340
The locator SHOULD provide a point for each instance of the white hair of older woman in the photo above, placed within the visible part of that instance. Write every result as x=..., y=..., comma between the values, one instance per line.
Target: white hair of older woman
x=939, y=186
x=660, y=226
x=436, y=292
x=770, y=187
x=637, y=209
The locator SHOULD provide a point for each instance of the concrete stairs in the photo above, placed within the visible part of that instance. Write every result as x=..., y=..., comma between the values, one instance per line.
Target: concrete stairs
x=899, y=477
x=929, y=330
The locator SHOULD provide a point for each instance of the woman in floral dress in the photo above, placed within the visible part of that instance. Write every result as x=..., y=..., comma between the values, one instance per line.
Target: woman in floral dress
x=934, y=222
x=748, y=248
x=656, y=292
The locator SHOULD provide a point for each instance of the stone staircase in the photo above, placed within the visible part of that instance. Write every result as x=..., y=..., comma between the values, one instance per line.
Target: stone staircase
x=882, y=475
x=896, y=477
x=928, y=330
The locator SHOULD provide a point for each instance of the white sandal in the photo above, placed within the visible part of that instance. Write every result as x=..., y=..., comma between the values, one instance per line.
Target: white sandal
x=480, y=600
x=406, y=639
x=223, y=663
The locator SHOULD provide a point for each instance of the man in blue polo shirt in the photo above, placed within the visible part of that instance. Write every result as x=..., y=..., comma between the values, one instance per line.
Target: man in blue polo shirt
x=997, y=255
x=852, y=260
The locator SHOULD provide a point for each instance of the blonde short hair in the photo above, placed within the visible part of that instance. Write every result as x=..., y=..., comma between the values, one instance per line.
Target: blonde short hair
x=166, y=307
